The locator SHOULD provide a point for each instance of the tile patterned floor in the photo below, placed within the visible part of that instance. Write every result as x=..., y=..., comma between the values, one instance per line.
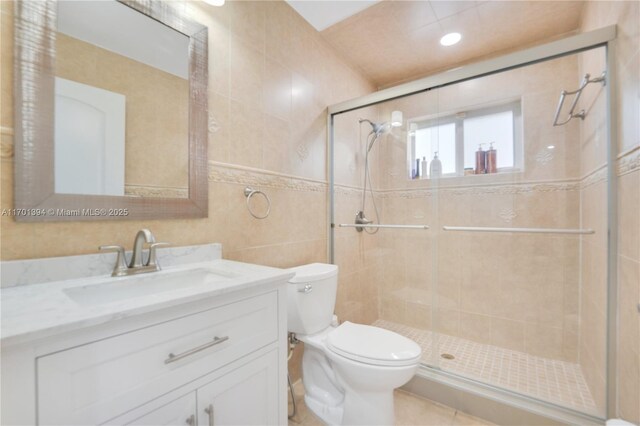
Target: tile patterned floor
x=551, y=380
x=410, y=409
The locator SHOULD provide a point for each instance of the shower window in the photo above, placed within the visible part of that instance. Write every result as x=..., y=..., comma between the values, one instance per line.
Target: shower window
x=456, y=137
x=440, y=138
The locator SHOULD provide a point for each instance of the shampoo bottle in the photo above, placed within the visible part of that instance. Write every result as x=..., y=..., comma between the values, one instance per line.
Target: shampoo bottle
x=436, y=167
x=481, y=167
x=492, y=159
x=423, y=168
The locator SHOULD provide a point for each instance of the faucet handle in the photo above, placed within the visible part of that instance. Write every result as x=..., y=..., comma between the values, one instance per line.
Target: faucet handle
x=153, y=260
x=120, y=267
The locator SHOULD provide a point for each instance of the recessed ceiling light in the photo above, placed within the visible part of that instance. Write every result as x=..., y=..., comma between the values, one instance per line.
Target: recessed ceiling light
x=551, y=147
x=450, y=39
x=215, y=2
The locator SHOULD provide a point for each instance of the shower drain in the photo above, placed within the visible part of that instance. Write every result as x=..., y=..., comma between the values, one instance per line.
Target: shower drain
x=447, y=356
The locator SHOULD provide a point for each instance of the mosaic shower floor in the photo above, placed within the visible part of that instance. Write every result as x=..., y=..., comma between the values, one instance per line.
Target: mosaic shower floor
x=551, y=380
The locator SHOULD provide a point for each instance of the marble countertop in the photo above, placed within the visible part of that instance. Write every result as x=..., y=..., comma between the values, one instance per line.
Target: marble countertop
x=36, y=311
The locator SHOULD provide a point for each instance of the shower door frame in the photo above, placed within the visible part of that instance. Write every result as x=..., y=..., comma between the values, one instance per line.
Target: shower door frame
x=603, y=37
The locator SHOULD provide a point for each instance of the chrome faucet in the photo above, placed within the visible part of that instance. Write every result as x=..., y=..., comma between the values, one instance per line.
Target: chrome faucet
x=136, y=256
x=137, y=264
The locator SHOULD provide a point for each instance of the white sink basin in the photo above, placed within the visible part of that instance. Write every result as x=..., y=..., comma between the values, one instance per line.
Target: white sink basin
x=145, y=285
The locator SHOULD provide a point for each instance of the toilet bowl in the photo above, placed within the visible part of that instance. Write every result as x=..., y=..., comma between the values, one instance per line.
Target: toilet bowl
x=350, y=370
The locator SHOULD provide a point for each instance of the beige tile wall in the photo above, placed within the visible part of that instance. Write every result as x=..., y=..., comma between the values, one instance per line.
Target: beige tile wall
x=516, y=291
x=271, y=78
x=626, y=14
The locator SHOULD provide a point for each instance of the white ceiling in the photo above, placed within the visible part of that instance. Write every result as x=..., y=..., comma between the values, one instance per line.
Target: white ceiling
x=324, y=13
x=120, y=29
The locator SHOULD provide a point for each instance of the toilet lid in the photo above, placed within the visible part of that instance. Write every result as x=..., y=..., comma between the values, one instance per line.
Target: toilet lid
x=373, y=345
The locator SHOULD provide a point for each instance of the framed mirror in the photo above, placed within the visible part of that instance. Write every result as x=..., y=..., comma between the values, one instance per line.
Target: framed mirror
x=111, y=111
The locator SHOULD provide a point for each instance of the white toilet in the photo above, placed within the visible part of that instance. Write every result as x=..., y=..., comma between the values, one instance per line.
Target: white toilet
x=349, y=371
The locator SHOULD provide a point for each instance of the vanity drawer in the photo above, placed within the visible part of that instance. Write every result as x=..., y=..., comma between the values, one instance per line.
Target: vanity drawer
x=93, y=383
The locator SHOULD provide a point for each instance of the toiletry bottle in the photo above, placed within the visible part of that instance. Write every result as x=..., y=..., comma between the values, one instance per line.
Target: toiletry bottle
x=492, y=158
x=436, y=167
x=481, y=161
x=423, y=168
x=418, y=173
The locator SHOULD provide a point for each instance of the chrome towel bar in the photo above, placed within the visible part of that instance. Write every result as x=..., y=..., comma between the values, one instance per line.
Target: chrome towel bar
x=582, y=114
x=520, y=230
x=373, y=225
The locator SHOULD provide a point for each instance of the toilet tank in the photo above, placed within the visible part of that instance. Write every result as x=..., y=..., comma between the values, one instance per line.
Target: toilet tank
x=311, y=298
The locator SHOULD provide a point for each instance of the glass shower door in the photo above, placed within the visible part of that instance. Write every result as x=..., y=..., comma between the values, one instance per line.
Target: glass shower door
x=522, y=238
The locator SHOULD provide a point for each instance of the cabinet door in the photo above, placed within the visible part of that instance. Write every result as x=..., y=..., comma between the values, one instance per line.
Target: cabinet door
x=247, y=395
x=179, y=412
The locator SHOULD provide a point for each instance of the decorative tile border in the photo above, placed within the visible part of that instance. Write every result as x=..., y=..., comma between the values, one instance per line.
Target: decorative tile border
x=494, y=189
x=629, y=161
x=597, y=176
x=155, y=191
x=351, y=191
x=230, y=173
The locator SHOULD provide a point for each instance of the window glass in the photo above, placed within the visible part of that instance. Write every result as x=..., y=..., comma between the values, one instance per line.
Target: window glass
x=497, y=128
x=440, y=138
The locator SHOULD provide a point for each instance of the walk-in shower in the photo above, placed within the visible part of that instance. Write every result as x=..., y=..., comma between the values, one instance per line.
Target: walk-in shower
x=498, y=265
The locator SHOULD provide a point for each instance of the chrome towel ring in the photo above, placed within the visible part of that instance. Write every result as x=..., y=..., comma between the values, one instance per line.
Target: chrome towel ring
x=250, y=192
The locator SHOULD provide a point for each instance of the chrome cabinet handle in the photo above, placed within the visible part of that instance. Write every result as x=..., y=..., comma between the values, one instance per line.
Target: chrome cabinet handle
x=209, y=411
x=308, y=288
x=216, y=341
x=191, y=420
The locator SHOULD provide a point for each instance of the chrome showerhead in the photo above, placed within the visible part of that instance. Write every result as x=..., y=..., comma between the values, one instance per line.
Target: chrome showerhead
x=377, y=127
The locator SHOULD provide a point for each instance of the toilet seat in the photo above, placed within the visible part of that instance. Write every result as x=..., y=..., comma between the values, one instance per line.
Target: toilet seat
x=372, y=345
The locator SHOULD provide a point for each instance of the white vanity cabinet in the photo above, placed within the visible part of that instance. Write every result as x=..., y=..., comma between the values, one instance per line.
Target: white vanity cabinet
x=241, y=396
x=215, y=361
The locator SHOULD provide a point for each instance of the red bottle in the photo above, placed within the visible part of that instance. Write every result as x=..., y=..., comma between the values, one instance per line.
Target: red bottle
x=481, y=161
x=492, y=159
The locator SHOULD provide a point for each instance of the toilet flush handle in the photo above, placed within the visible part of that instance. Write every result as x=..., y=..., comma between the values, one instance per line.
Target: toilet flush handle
x=308, y=288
